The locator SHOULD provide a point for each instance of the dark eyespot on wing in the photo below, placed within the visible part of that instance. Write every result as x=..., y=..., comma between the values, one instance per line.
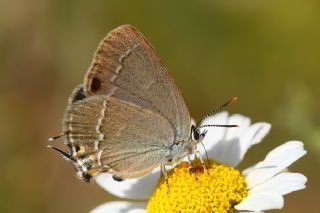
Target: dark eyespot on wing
x=96, y=84
x=78, y=94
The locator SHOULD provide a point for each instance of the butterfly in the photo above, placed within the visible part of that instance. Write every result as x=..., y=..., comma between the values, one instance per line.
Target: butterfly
x=128, y=117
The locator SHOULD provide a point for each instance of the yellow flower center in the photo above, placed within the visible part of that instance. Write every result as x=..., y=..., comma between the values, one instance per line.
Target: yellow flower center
x=215, y=189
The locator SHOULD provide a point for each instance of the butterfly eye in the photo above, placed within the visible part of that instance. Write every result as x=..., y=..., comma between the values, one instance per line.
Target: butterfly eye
x=196, y=135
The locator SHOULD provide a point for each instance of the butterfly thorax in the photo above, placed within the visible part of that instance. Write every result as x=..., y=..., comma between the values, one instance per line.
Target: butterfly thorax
x=179, y=150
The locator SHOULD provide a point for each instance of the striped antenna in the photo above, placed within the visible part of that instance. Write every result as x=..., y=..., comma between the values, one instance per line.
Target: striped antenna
x=218, y=109
x=55, y=137
x=217, y=125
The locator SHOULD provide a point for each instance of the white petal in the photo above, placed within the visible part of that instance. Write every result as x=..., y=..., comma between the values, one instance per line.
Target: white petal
x=257, y=132
x=120, y=207
x=283, y=183
x=214, y=135
x=246, y=171
x=138, y=188
x=258, y=202
x=237, y=119
x=276, y=161
x=225, y=147
x=253, y=135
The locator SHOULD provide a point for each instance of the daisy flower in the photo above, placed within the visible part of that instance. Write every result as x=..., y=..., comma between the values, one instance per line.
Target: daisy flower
x=220, y=187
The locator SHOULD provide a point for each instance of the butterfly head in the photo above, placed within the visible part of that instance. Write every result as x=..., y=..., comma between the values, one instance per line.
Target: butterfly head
x=196, y=134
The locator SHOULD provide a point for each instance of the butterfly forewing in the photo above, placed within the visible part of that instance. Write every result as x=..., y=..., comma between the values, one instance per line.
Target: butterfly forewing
x=125, y=66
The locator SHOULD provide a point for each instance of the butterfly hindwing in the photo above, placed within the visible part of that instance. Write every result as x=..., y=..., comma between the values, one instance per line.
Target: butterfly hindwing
x=116, y=136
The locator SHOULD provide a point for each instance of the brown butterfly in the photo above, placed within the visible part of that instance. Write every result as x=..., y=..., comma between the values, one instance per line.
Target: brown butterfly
x=128, y=117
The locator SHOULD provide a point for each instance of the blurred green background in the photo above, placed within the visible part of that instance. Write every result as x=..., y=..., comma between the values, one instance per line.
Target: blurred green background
x=264, y=52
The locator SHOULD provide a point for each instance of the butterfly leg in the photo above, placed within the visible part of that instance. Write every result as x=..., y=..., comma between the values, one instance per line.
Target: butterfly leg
x=164, y=173
x=191, y=169
x=197, y=154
